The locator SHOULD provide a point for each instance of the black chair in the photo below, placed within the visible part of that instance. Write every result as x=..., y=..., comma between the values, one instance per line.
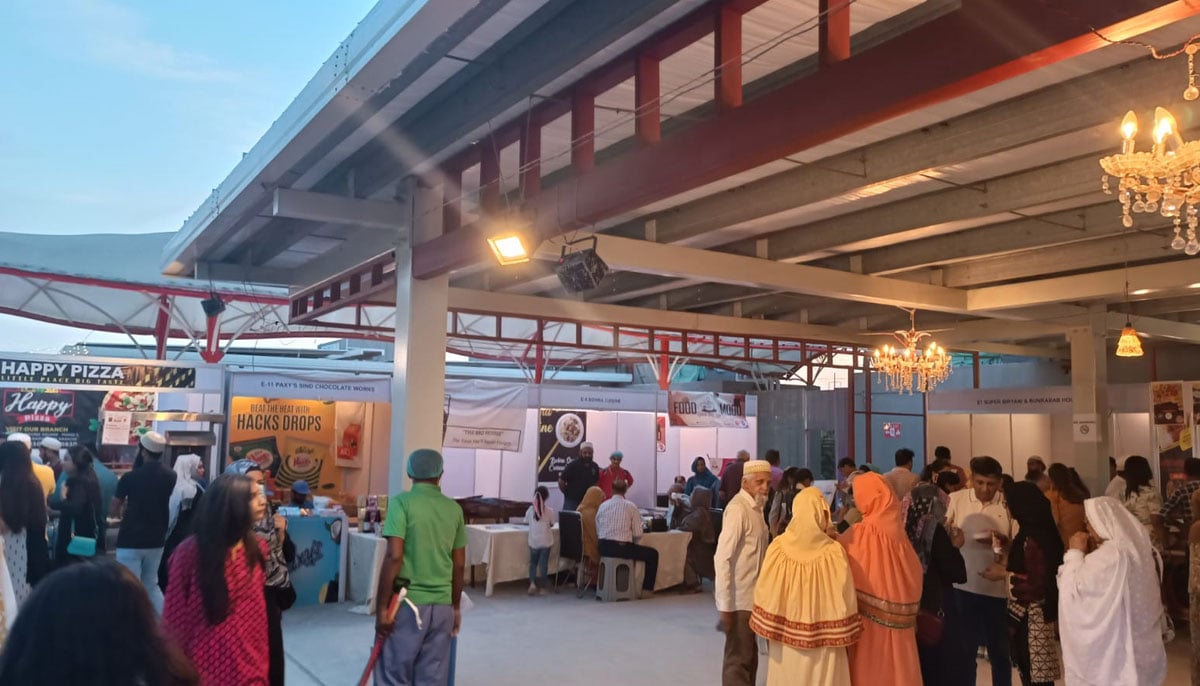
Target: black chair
x=570, y=547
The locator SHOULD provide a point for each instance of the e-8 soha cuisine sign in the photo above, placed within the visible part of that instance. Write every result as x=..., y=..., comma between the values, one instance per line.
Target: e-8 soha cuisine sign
x=707, y=409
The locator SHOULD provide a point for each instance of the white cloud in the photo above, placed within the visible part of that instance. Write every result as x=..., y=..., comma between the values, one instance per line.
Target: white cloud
x=105, y=32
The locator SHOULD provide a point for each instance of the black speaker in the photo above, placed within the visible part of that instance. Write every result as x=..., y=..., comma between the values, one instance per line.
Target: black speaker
x=581, y=270
x=213, y=305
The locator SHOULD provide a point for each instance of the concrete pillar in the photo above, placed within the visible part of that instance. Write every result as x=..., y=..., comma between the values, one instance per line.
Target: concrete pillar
x=1089, y=387
x=419, y=370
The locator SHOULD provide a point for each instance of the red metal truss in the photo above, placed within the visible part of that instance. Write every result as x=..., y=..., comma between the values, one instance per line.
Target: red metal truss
x=952, y=55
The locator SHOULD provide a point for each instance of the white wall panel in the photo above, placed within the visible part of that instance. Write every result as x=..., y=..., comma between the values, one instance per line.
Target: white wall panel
x=1062, y=439
x=952, y=431
x=636, y=439
x=1030, y=436
x=458, y=476
x=991, y=434
x=670, y=462
x=730, y=441
x=487, y=473
x=696, y=442
x=519, y=474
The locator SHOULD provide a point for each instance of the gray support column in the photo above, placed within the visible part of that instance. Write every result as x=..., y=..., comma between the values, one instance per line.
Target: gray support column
x=1089, y=386
x=419, y=370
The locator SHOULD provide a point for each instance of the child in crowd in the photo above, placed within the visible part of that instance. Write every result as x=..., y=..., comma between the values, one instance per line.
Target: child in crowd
x=541, y=519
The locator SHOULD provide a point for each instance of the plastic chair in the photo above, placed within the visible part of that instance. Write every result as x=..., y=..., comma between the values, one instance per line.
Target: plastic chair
x=617, y=580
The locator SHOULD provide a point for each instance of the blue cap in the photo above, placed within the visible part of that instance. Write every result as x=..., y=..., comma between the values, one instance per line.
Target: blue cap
x=425, y=463
x=617, y=455
x=301, y=487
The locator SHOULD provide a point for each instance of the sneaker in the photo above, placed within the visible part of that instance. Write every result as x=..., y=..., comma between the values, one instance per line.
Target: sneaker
x=532, y=589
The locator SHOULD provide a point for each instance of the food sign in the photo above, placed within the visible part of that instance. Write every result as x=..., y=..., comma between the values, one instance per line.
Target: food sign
x=293, y=440
x=560, y=433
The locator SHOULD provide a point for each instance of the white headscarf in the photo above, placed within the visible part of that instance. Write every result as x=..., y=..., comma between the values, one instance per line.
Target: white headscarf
x=1110, y=610
x=186, y=468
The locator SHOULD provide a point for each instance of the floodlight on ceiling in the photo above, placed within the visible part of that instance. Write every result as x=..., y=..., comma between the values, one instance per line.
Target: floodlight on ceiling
x=213, y=305
x=511, y=245
x=580, y=270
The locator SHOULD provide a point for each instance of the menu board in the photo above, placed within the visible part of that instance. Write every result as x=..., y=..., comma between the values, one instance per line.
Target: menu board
x=560, y=433
x=293, y=440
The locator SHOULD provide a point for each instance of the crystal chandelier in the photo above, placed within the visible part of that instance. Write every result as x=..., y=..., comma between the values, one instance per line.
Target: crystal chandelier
x=908, y=368
x=1165, y=180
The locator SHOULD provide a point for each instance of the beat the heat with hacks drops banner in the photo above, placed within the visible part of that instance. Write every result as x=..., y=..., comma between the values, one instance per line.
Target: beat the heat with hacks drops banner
x=292, y=439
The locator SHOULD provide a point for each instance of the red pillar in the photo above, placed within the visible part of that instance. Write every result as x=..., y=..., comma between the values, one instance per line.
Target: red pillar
x=728, y=58
x=647, y=90
x=162, y=327
x=833, y=34
x=583, y=131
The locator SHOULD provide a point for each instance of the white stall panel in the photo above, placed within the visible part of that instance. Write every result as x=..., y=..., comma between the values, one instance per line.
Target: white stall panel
x=458, y=475
x=1062, y=439
x=991, y=434
x=636, y=439
x=730, y=441
x=1131, y=436
x=602, y=432
x=952, y=431
x=487, y=473
x=520, y=467
x=671, y=462
x=1030, y=436
x=696, y=442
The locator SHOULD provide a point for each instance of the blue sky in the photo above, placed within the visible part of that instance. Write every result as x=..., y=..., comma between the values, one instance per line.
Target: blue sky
x=120, y=116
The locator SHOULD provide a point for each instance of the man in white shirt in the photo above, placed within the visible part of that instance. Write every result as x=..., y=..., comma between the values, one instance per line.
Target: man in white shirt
x=901, y=478
x=740, y=552
x=1116, y=483
x=981, y=513
x=619, y=527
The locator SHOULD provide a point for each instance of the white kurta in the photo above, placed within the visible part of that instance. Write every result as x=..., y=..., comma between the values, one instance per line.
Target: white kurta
x=740, y=551
x=1110, y=612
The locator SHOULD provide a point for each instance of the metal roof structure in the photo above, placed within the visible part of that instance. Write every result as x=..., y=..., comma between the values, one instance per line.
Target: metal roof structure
x=796, y=169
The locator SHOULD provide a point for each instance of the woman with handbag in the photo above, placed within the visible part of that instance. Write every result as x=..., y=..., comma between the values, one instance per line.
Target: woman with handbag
x=947, y=659
x=271, y=529
x=80, y=532
x=1033, y=559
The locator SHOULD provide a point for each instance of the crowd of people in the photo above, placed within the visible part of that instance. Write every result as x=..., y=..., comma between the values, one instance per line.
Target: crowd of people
x=193, y=594
x=906, y=578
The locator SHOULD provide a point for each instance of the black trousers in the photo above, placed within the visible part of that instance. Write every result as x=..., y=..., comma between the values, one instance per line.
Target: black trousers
x=274, y=636
x=633, y=551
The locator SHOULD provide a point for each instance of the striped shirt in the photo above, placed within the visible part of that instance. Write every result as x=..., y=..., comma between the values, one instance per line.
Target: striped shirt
x=618, y=520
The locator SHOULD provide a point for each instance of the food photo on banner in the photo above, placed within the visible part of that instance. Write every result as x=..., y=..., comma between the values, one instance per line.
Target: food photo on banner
x=560, y=433
x=1172, y=434
x=708, y=409
x=293, y=440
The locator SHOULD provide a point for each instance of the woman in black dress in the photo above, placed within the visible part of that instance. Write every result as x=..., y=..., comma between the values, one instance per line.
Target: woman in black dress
x=82, y=513
x=946, y=660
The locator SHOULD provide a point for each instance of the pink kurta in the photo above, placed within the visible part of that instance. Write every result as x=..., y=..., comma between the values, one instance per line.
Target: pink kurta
x=234, y=651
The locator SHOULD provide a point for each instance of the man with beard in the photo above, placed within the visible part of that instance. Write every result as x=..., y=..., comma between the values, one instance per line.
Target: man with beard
x=578, y=477
x=740, y=551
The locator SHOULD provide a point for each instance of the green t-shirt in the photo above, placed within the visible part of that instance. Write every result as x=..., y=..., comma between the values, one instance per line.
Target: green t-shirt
x=432, y=527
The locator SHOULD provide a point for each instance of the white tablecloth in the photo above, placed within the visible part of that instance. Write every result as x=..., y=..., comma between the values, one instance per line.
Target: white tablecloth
x=365, y=558
x=504, y=548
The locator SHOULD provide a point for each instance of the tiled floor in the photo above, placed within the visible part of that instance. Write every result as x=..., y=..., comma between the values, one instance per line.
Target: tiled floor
x=511, y=639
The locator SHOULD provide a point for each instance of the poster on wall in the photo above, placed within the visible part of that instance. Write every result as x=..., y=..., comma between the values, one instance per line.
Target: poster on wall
x=294, y=440
x=708, y=409
x=560, y=433
x=660, y=432
x=484, y=415
x=1166, y=399
x=351, y=418
x=73, y=417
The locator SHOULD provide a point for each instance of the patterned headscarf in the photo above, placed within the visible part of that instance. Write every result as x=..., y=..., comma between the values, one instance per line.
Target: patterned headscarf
x=924, y=510
x=277, y=569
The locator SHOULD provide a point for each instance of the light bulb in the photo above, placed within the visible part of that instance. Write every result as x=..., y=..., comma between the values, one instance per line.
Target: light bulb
x=1164, y=125
x=1129, y=126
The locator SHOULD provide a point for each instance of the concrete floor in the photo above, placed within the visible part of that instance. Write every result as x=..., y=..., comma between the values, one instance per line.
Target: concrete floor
x=511, y=639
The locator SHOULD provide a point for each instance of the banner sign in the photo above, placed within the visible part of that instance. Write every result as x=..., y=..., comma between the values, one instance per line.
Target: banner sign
x=70, y=416
x=560, y=433
x=1052, y=400
x=36, y=372
x=316, y=569
x=583, y=398
x=293, y=440
x=363, y=389
x=708, y=409
x=484, y=415
x=1172, y=430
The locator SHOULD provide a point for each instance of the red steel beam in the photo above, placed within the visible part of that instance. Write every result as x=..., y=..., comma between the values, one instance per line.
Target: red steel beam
x=955, y=54
x=530, y=159
x=833, y=36
x=727, y=58
x=647, y=89
x=583, y=130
